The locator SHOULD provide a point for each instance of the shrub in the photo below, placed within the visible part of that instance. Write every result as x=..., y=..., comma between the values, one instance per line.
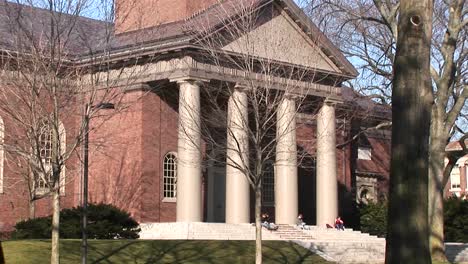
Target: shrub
x=104, y=222
x=456, y=220
x=35, y=228
x=373, y=218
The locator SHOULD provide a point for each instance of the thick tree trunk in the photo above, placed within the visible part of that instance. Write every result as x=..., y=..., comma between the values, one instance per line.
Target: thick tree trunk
x=436, y=188
x=408, y=232
x=258, y=226
x=55, y=255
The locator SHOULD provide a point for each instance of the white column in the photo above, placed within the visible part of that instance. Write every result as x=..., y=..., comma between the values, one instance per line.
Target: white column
x=286, y=193
x=327, y=187
x=237, y=185
x=189, y=180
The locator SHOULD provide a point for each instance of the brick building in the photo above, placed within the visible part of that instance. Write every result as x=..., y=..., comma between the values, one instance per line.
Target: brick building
x=140, y=159
x=458, y=183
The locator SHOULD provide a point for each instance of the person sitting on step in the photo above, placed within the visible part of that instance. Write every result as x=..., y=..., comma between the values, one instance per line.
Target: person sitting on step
x=339, y=224
x=300, y=223
x=266, y=222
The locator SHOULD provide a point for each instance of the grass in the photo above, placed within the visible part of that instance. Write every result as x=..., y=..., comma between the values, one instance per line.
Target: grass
x=158, y=251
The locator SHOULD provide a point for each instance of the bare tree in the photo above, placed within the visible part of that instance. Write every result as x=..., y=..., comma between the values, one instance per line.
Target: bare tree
x=367, y=32
x=253, y=119
x=46, y=94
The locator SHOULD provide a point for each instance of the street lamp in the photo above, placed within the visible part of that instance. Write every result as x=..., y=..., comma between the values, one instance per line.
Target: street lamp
x=84, y=216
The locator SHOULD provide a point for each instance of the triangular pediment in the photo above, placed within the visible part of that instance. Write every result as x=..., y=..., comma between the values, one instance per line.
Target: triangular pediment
x=281, y=39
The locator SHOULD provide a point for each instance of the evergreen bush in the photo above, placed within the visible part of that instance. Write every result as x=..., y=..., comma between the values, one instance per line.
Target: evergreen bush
x=456, y=220
x=35, y=228
x=373, y=218
x=104, y=222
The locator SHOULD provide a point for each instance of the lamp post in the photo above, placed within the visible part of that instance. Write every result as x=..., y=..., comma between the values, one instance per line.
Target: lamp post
x=84, y=216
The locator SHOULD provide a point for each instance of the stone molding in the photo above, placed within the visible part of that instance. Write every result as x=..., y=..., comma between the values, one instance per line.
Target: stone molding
x=186, y=68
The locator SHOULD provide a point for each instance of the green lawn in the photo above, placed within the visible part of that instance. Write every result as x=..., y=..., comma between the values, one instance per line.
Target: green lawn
x=158, y=251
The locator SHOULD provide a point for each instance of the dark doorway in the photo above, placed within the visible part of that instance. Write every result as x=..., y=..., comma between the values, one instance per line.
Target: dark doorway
x=307, y=190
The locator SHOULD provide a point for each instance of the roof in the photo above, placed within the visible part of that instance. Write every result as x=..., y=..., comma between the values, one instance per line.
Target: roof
x=365, y=104
x=88, y=36
x=455, y=146
x=32, y=23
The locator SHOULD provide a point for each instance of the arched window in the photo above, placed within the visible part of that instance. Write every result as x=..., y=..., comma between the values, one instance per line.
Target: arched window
x=170, y=175
x=46, y=147
x=268, y=184
x=2, y=153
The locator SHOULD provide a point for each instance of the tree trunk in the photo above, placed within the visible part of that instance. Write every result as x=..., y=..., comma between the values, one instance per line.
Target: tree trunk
x=55, y=255
x=436, y=188
x=32, y=209
x=408, y=232
x=258, y=226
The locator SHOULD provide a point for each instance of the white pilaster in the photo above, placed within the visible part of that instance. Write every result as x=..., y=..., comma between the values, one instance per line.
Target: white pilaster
x=286, y=189
x=189, y=180
x=237, y=185
x=327, y=187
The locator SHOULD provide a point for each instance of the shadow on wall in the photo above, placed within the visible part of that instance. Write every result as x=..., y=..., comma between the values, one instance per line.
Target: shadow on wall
x=120, y=186
x=347, y=207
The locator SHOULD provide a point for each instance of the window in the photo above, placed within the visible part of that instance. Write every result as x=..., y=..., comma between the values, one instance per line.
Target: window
x=364, y=153
x=170, y=176
x=2, y=153
x=268, y=184
x=46, y=145
x=455, y=179
x=466, y=176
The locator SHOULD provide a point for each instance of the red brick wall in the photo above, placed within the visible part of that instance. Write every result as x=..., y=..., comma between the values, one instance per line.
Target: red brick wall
x=160, y=136
x=126, y=170
x=463, y=181
x=379, y=163
x=138, y=14
x=14, y=201
x=115, y=156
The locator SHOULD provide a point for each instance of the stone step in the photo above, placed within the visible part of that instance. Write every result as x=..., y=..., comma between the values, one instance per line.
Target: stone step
x=343, y=246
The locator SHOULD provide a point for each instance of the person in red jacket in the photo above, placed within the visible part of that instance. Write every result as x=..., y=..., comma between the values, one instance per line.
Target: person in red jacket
x=339, y=224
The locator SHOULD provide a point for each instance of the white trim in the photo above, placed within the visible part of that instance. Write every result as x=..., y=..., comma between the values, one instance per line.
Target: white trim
x=364, y=153
x=462, y=160
x=48, y=166
x=455, y=177
x=63, y=149
x=466, y=177
x=172, y=178
x=169, y=200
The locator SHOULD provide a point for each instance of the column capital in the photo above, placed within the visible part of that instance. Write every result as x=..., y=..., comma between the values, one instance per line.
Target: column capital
x=241, y=87
x=332, y=101
x=142, y=86
x=190, y=79
x=292, y=96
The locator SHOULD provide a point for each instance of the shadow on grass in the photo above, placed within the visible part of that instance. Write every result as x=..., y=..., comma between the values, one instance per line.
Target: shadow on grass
x=190, y=251
x=160, y=251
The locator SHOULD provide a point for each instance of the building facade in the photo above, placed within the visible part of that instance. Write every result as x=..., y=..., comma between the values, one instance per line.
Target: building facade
x=457, y=183
x=151, y=157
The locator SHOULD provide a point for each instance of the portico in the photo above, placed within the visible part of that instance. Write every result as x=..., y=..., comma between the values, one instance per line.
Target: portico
x=237, y=203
